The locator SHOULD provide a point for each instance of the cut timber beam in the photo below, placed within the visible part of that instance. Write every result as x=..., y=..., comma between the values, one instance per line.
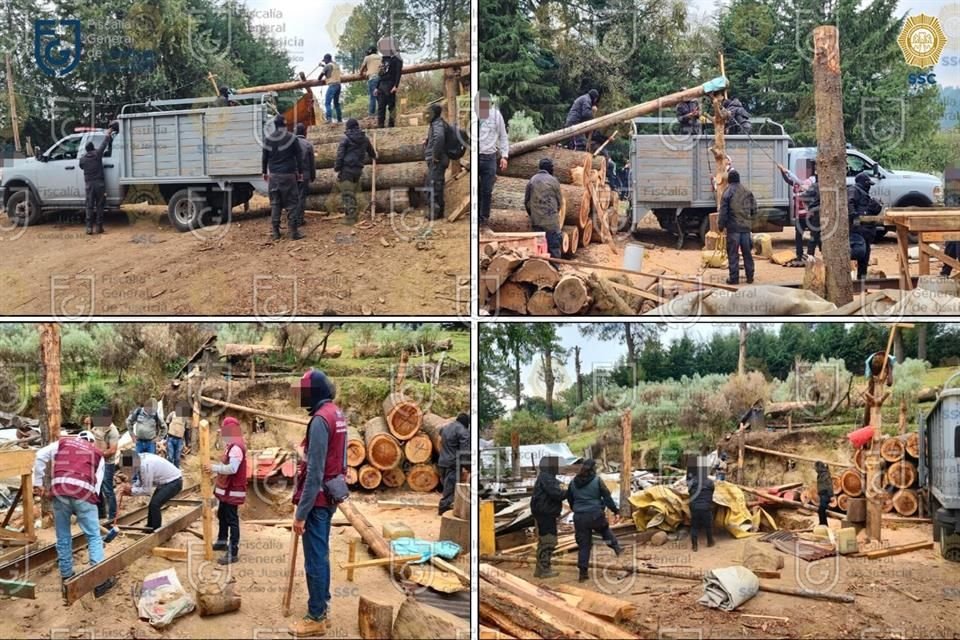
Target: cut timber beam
x=170, y=553
x=380, y=562
x=354, y=77
x=18, y=589
x=84, y=582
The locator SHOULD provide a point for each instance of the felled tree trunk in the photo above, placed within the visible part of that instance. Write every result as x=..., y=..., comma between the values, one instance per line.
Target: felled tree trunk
x=499, y=269
x=383, y=450
x=403, y=416
x=393, y=478
x=509, y=193
x=214, y=599
x=351, y=475
x=389, y=176
x=507, y=220
x=572, y=233
x=375, y=619
x=402, y=144
x=419, y=448
x=356, y=448
x=432, y=425
x=334, y=131
x=512, y=297
x=423, y=477
x=564, y=161
x=537, y=272
x=390, y=200
x=541, y=304
x=414, y=622
x=571, y=295
x=586, y=234
x=369, y=477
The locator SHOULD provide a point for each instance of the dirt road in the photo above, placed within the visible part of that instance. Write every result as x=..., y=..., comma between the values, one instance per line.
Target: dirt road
x=142, y=266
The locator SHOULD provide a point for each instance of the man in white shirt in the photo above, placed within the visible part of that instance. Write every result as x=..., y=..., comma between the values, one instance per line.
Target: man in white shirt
x=155, y=474
x=76, y=475
x=370, y=69
x=492, y=142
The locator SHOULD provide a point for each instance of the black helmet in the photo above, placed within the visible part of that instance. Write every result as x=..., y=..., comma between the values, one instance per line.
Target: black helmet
x=594, y=95
x=733, y=176
x=327, y=57
x=546, y=164
x=863, y=180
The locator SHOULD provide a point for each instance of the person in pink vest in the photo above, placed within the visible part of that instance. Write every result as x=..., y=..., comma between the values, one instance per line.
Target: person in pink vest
x=77, y=472
x=324, y=459
x=230, y=489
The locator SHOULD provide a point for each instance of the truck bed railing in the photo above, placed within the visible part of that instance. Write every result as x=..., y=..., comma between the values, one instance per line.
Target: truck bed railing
x=268, y=97
x=661, y=120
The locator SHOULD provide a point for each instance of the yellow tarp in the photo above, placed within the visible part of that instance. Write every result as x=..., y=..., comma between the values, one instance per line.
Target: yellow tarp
x=661, y=507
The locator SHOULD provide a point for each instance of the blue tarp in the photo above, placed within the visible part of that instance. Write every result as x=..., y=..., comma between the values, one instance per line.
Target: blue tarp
x=426, y=548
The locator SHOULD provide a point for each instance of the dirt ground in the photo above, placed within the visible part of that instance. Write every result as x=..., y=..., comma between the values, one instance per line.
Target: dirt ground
x=260, y=575
x=669, y=605
x=686, y=262
x=142, y=266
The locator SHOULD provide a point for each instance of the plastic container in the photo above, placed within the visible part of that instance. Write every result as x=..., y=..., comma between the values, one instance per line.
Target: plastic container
x=847, y=540
x=633, y=256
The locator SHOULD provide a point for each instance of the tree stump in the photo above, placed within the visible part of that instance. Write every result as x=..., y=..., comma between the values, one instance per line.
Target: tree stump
x=375, y=619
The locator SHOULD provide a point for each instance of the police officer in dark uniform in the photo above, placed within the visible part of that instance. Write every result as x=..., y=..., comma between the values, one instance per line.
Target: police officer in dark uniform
x=282, y=166
x=860, y=203
x=546, y=504
x=351, y=153
x=738, y=209
x=435, y=153
x=542, y=201
x=94, y=181
x=309, y=171
x=688, y=115
x=587, y=496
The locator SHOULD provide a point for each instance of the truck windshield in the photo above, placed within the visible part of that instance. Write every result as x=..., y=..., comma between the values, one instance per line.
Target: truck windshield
x=857, y=164
x=66, y=149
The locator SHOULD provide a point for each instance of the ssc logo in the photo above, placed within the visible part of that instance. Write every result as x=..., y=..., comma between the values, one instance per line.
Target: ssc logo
x=53, y=59
x=922, y=40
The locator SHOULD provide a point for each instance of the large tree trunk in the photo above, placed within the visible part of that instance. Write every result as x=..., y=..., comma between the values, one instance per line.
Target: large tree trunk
x=509, y=193
x=390, y=200
x=832, y=163
x=403, y=144
x=548, y=379
x=507, y=220
x=50, y=412
x=742, y=355
x=369, y=477
x=403, y=416
x=389, y=176
x=564, y=161
x=356, y=449
x=432, y=425
x=324, y=134
x=393, y=478
x=576, y=361
x=571, y=294
x=423, y=477
x=631, y=344
x=353, y=77
x=383, y=450
x=375, y=619
x=419, y=448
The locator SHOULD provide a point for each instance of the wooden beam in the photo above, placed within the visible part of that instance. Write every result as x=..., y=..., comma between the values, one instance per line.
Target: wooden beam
x=170, y=553
x=206, y=482
x=657, y=276
x=18, y=589
x=351, y=558
x=50, y=380
x=488, y=538
x=17, y=462
x=380, y=562
x=626, y=466
x=84, y=582
x=783, y=454
x=352, y=77
x=256, y=412
x=26, y=490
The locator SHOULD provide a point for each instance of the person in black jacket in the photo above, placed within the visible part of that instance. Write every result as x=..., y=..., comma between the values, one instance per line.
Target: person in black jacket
x=824, y=490
x=737, y=117
x=546, y=505
x=738, y=209
x=391, y=67
x=700, y=488
x=587, y=496
x=94, y=181
x=351, y=154
x=435, y=153
x=282, y=166
x=859, y=204
x=688, y=115
x=309, y=171
x=454, y=455
x=582, y=109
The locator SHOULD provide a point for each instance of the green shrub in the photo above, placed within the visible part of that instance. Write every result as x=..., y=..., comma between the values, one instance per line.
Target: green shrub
x=533, y=429
x=88, y=401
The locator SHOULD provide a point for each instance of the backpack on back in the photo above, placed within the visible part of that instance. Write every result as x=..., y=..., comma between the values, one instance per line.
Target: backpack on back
x=453, y=142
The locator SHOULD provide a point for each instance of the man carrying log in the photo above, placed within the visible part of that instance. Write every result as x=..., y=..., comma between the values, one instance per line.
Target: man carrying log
x=543, y=200
x=546, y=504
x=351, y=154
x=738, y=209
x=582, y=109
x=493, y=142
x=309, y=163
x=435, y=153
x=454, y=455
x=324, y=461
x=76, y=469
x=391, y=67
x=230, y=489
x=282, y=166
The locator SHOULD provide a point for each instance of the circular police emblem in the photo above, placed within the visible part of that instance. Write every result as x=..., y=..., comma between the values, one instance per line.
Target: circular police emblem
x=922, y=40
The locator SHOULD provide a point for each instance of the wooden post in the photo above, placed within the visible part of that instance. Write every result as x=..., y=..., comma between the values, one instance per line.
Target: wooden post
x=515, y=454
x=740, y=452
x=202, y=427
x=13, y=105
x=742, y=358
x=26, y=493
x=832, y=164
x=451, y=86
x=373, y=186
x=488, y=541
x=626, y=467
x=351, y=557
x=50, y=381
x=213, y=81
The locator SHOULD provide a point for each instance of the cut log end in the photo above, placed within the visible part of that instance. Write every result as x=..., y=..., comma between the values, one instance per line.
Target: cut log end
x=369, y=477
x=423, y=477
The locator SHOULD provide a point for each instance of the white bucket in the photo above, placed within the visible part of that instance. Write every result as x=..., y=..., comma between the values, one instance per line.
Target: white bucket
x=633, y=257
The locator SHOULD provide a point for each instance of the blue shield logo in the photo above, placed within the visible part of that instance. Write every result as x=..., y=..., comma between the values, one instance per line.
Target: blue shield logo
x=52, y=57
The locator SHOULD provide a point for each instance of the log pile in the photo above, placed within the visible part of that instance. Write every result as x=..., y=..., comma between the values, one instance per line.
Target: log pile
x=900, y=478
x=511, y=280
x=396, y=449
x=589, y=211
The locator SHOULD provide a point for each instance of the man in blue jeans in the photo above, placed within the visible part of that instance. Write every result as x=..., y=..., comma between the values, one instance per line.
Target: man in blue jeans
x=325, y=457
x=738, y=210
x=370, y=69
x=76, y=474
x=176, y=428
x=146, y=426
x=331, y=77
x=492, y=144
x=108, y=440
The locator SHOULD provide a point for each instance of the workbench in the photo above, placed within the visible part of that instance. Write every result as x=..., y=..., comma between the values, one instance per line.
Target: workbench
x=929, y=225
x=19, y=462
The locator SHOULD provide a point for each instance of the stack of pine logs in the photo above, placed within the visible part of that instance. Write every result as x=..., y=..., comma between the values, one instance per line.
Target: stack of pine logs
x=512, y=281
x=395, y=449
x=589, y=211
x=900, y=477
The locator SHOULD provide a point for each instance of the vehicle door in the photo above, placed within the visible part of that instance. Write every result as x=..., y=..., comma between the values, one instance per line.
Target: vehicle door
x=60, y=181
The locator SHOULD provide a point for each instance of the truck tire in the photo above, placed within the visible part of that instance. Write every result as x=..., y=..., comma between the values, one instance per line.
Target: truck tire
x=23, y=208
x=186, y=211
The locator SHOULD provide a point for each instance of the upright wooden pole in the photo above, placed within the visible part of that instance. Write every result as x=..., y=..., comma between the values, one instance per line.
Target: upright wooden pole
x=832, y=164
x=373, y=182
x=451, y=84
x=202, y=428
x=626, y=467
x=742, y=357
x=13, y=104
x=50, y=380
x=740, y=454
x=213, y=80
x=515, y=454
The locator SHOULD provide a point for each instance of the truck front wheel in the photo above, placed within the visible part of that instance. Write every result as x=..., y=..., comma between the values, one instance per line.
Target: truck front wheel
x=23, y=209
x=186, y=209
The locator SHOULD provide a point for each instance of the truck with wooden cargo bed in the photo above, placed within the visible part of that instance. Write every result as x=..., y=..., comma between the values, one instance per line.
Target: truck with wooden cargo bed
x=198, y=160
x=671, y=177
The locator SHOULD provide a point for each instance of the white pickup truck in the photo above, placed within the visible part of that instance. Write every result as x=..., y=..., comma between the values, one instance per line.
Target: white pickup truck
x=201, y=162
x=671, y=177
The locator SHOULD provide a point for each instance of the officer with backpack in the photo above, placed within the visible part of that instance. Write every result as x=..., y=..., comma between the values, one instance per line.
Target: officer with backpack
x=737, y=117
x=146, y=426
x=738, y=209
x=435, y=153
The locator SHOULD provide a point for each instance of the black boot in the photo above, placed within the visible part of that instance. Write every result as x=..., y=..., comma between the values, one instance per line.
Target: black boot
x=295, y=232
x=101, y=589
x=276, y=232
x=545, y=548
x=693, y=543
x=584, y=576
x=220, y=546
x=89, y=230
x=99, y=228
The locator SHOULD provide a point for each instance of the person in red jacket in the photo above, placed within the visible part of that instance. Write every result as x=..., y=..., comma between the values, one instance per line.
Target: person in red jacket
x=324, y=458
x=230, y=489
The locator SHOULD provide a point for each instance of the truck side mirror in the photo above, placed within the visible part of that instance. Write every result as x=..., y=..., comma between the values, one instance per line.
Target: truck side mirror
x=876, y=171
x=36, y=153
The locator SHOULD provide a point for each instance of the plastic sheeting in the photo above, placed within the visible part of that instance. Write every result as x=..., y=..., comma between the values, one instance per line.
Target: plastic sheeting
x=662, y=507
x=426, y=548
x=728, y=587
x=763, y=300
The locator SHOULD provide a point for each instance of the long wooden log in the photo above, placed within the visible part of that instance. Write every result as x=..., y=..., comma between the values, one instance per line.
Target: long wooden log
x=351, y=475
x=571, y=295
x=507, y=220
x=395, y=200
x=383, y=450
x=541, y=304
x=328, y=133
x=524, y=619
x=784, y=454
x=423, y=477
x=407, y=175
x=418, y=449
x=378, y=545
x=432, y=425
x=403, y=144
x=892, y=449
x=539, y=273
x=564, y=162
x=369, y=477
x=650, y=106
x=905, y=501
x=508, y=627
x=901, y=474
x=353, y=77
x=510, y=193
x=403, y=416
x=356, y=448
x=600, y=604
x=572, y=233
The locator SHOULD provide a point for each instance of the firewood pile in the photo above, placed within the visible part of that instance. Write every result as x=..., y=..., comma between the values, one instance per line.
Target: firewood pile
x=400, y=447
x=900, y=478
x=589, y=211
x=401, y=172
x=513, y=281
